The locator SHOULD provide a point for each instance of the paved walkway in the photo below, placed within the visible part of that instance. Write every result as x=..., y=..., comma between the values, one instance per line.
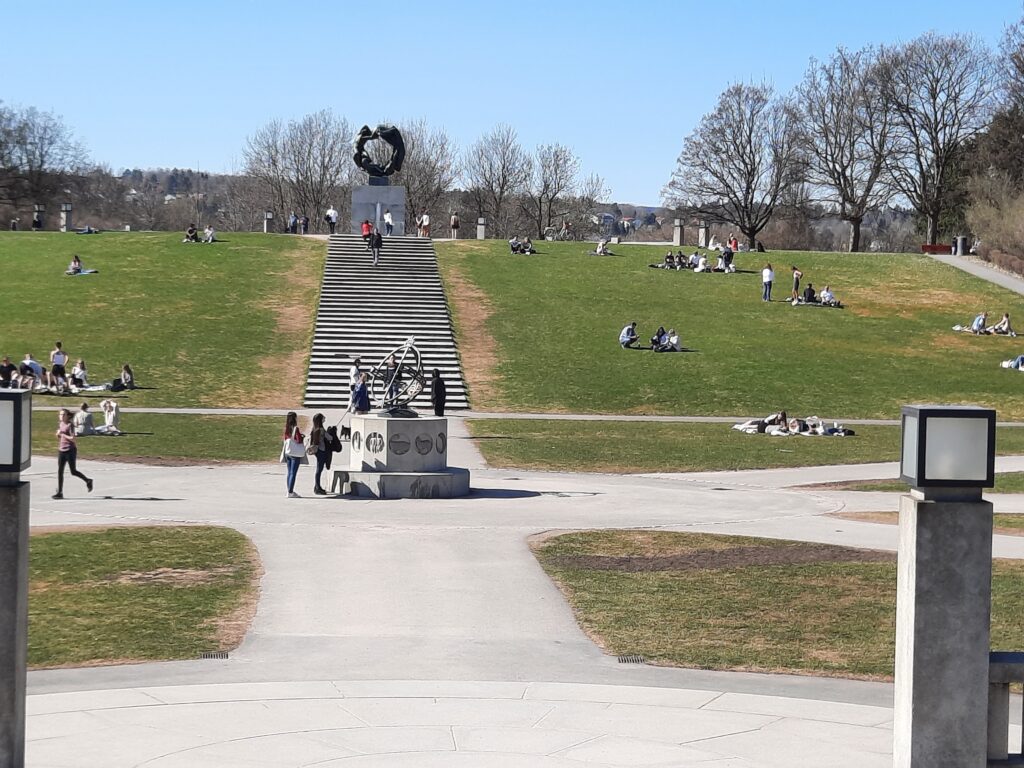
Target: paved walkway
x=423, y=633
x=979, y=268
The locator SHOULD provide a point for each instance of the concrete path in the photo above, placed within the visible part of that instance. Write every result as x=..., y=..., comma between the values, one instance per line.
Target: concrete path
x=981, y=269
x=423, y=633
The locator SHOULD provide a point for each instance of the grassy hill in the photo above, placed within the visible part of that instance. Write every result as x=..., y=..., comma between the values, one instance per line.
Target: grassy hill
x=540, y=333
x=226, y=324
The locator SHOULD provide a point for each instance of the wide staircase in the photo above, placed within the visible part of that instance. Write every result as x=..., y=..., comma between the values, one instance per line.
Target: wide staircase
x=367, y=311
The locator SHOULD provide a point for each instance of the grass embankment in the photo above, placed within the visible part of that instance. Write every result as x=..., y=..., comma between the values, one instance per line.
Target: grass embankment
x=227, y=324
x=729, y=602
x=1006, y=482
x=635, y=446
x=1005, y=524
x=538, y=333
x=134, y=594
x=159, y=437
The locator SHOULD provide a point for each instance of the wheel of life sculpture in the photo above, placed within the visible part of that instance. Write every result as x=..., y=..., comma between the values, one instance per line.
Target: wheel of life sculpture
x=394, y=388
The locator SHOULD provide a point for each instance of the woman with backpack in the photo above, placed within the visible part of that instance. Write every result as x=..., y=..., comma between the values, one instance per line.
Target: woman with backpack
x=319, y=446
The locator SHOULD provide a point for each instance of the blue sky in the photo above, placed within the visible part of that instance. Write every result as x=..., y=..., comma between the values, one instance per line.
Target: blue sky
x=182, y=83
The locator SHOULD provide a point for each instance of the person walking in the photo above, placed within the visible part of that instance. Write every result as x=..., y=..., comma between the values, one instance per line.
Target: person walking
x=67, y=453
x=332, y=218
x=319, y=447
x=767, y=278
x=438, y=392
x=454, y=224
x=293, y=452
x=376, y=243
x=425, y=224
x=797, y=274
x=389, y=222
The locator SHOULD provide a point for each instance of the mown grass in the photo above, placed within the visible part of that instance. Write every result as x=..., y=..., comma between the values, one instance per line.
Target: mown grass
x=646, y=446
x=1008, y=524
x=157, y=436
x=1006, y=482
x=227, y=324
x=554, y=319
x=832, y=617
x=133, y=594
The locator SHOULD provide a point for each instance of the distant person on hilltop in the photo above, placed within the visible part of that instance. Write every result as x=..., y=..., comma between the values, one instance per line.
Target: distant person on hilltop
x=293, y=223
x=389, y=222
x=304, y=224
x=454, y=224
x=331, y=217
x=425, y=224
x=376, y=243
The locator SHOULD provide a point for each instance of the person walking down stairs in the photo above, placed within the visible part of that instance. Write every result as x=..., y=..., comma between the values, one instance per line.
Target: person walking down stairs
x=376, y=243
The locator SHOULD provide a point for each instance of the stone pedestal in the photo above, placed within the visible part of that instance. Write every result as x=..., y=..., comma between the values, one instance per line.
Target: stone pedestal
x=481, y=229
x=943, y=601
x=14, y=529
x=65, y=221
x=401, y=458
x=677, y=233
x=371, y=200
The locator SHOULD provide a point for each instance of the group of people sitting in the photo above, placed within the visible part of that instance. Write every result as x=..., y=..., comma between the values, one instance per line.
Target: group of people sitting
x=192, y=234
x=661, y=341
x=780, y=425
x=57, y=379
x=84, y=424
x=698, y=262
x=524, y=246
x=824, y=299
x=980, y=326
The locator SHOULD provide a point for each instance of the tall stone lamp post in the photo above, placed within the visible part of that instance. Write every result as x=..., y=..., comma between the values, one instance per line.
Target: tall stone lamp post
x=944, y=587
x=268, y=218
x=15, y=456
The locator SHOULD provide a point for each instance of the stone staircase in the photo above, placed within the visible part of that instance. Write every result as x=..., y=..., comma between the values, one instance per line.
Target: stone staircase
x=368, y=311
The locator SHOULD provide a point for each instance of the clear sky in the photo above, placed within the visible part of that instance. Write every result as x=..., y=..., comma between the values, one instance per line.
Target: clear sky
x=182, y=83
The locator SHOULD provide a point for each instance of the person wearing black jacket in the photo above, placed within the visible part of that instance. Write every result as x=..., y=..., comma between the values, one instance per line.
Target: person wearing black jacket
x=438, y=392
x=376, y=243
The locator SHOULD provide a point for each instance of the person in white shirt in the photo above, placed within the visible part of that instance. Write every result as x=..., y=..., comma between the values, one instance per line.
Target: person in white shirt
x=83, y=421
x=826, y=296
x=389, y=222
x=111, y=418
x=669, y=343
x=702, y=264
x=767, y=278
x=208, y=234
x=353, y=375
x=628, y=338
x=332, y=218
x=425, y=224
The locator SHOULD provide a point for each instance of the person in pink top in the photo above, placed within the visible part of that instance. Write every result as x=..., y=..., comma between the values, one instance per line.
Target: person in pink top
x=67, y=452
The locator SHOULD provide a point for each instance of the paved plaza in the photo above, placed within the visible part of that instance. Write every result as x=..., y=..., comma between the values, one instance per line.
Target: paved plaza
x=424, y=633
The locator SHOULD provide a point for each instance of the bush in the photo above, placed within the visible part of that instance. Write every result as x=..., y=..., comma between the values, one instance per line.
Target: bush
x=999, y=222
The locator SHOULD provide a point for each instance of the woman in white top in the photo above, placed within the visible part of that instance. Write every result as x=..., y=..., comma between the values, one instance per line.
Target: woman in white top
x=57, y=376
x=79, y=375
x=767, y=278
x=111, y=418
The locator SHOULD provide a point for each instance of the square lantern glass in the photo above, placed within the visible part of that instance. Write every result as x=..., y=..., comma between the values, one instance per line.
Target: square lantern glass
x=948, y=446
x=15, y=430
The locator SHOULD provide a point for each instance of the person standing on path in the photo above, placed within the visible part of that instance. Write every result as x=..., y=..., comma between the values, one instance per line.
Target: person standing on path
x=438, y=392
x=389, y=222
x=67, y=453
x=353, y=376
x=425, y=224
x=797, y=274
x=376, y=242
x=293, y=452
x=454, y=224
x=318, y=447
x=767, y=278
x=332, y=218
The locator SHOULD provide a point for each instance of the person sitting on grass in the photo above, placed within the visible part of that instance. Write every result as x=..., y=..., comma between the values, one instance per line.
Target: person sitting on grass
x=1003, y=327
x=659, y=337
x=111, y=418
x=828, y=298
x=209, y=235
x=602, y=248
x=527, y=246
x=628, y=338
x=702, y=264
x=127, y=376
x=8, y=373
x=79, y=375
x=980, y=324
x=514, y=246
x=75, y=267
x=669, y=342
x=83, y=421
x=810, y=297
x=191, y=234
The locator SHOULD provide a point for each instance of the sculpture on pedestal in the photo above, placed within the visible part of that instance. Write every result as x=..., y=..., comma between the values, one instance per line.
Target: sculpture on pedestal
x=392, y=137
x=398, y=379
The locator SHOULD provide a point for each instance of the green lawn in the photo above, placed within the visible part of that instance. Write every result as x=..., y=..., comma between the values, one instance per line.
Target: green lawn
x=227, y=324
x=730, y=602
x=638, y=446
x=539, y=333
x=133, y=594
x=157, y=436
x=1006, y=482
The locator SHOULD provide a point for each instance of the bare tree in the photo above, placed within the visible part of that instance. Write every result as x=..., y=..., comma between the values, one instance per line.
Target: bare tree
x=38, y=155
x=940, y=90
x=845, y=131
x=546, y=195
x=738, y=161
x=495, y=170
x=430, y=168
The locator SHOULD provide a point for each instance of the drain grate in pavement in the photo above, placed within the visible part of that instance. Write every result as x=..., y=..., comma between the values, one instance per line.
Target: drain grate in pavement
x=213, y=655
x=631, y=659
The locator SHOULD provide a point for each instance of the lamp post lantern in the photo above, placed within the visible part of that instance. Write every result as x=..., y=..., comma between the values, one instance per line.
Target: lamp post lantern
x=944, y=587
x=15, y=456
x=268, y=216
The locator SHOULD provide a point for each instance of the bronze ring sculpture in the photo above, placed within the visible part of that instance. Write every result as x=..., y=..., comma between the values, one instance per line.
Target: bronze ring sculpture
x=392, y=137
x=394, y=388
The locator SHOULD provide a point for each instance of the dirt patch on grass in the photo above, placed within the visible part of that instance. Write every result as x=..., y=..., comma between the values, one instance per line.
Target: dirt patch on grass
x=178, y=577
x=735, y=557
x=476, y=346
